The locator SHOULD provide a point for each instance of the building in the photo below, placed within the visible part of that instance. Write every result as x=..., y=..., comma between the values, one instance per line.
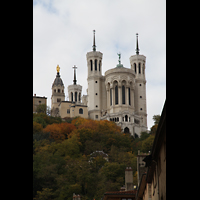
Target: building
x=141, y=169
x=94, y=154
x=119, y=95
x=128, y=194
x=153, y=183
x=62, y=108
x=76, y=197
x=38, y=101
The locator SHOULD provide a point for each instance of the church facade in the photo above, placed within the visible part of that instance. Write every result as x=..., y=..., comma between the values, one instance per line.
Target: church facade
x=119, y=95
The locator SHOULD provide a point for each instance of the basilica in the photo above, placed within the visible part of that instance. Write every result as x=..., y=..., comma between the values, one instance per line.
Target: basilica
x=118, y=96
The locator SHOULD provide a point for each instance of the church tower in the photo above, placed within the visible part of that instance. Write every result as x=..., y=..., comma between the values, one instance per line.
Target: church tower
x=74, y=91
x=138, y=64
x=58, y=94
x=95, y=82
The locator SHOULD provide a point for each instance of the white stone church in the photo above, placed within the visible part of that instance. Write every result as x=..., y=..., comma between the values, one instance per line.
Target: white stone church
x=119, y=95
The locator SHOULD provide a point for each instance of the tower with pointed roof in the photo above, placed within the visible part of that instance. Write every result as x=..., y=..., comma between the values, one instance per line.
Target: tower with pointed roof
x=95, y=80
x=58, y=93
x=138, y=65
x=75, y=90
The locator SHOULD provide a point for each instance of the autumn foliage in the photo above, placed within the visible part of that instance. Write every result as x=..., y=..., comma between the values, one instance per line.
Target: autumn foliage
x=59, y=131
x=62, y=157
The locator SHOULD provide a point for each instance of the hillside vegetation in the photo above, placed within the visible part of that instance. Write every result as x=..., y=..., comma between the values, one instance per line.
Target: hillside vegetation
x=62, y=163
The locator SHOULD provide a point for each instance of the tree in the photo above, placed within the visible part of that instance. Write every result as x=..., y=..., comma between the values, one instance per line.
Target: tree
x=156, y=119
x=45, y=194
x=40, y=120
x=59, y=131
x=41, y=108
x=154, y=129
x=36, y=127
x=147, y=144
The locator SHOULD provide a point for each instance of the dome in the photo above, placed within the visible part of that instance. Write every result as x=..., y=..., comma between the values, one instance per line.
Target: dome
x=57, y=81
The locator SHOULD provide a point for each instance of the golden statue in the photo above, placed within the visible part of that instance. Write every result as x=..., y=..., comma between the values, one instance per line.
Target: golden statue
x=58, y=68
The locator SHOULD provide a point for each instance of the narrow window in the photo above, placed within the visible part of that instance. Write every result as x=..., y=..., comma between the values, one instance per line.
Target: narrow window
x=143, y=68
x=68, y=111
x=126, y=118
x=99, y=65
x=123, y=94
x=129, y=96
x=76, y=96
x=79, y=96
x=111, y=97
x=80, y=111
x=95, y=65
x=91, y=64
x=58, y=90
x=139, y=68
x=71, y=96
x=116, y=95
x=135, y=67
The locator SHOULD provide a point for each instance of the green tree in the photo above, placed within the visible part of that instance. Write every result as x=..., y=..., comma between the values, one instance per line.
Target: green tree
x=45, y=194
x=156, y=119
x=41, y=108
x=147, y=144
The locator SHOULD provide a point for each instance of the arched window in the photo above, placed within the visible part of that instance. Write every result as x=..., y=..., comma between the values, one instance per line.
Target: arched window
x=139, y=68
x=126, y=130
x=80, y=111
x=116, y=94
x=76, y=96
x=91, y=64
x=99, y=65
x=135, y=67
x=95, y=63
x=126, y=118
x=79, y=97
x=129, y=96
x=71, y=96
x=123, y=94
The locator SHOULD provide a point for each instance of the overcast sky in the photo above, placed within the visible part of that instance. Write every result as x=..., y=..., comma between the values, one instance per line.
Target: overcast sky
x=63, y=34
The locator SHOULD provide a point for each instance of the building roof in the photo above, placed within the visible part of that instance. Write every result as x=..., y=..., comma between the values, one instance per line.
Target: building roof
x=97, y=153
x=121, y=192
x=58, y=80
x=40, y=97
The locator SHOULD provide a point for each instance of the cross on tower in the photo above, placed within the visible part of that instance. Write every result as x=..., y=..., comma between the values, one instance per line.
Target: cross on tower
x=74, y=67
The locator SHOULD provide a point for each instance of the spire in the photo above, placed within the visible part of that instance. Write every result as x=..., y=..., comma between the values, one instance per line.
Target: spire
x=74, y=67
x=137, y=46
x=94, y=46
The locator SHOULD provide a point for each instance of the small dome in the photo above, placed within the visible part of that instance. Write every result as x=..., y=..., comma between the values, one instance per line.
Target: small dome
x=57, y=81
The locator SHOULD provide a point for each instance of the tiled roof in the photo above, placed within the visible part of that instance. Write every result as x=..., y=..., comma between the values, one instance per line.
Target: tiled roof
x=122, y=192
